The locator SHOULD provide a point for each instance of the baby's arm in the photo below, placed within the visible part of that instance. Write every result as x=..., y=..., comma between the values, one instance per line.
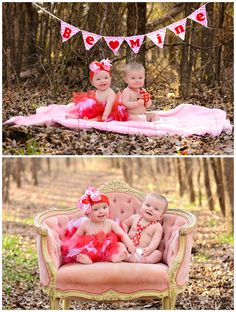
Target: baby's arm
x=149, y=103
x=128, y=223
x=124, y=237
x=125, y=97
x=109, y=103
x=81, y=229
x=155, y=240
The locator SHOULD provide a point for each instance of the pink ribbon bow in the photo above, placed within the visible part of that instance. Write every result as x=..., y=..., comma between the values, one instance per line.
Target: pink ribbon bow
x=84, y=202
x=97, y=66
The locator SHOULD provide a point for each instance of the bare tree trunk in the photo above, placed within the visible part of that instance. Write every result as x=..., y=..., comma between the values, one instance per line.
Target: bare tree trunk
x=217, y=170
x=136, y=25
x=6, y=180
x=48, y=166
x=127, y=169
x=228, y=174
x=180, y=178
x=207, y=54
x=207, y=184
x=218, y=50
x=199, y=182
x=189, y=172
x=34, y=170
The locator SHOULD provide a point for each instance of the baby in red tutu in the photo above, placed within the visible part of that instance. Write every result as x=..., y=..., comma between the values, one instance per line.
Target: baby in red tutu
x=145, y=229
x=102, y=104
x=97, y=238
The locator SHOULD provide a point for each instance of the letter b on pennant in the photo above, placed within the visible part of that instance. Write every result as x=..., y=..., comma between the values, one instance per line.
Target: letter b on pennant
x=67, y=33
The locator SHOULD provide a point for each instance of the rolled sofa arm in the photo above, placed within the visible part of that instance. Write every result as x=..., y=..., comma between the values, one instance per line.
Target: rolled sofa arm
x=48, y=259
x=179, y=267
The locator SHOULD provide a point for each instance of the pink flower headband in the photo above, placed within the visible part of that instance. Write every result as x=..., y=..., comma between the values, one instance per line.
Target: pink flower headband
x=95, y=67
x=91, y=196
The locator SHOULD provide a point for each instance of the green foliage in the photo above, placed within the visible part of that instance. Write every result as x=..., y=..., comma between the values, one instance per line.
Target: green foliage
x=32, y=148
x=19, y=263
x=212, y=222
x=203, y=257
x=227, y=239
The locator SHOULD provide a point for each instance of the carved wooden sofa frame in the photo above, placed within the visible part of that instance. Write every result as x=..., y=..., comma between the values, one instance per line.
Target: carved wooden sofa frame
x=174, y=270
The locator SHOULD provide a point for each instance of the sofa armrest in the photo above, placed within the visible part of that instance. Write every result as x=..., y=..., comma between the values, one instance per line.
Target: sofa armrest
x=49, y=255
x=179, y=266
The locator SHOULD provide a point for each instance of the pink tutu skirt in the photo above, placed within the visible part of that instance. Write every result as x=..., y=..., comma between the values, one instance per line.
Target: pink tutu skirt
x=88, y=107
x=99, y=247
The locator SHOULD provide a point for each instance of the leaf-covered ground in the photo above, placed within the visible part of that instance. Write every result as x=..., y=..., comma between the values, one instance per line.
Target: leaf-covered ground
x=61, y=141
x=211, y=273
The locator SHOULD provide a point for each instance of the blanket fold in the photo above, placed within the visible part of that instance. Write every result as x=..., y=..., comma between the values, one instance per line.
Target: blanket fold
x=184, y=120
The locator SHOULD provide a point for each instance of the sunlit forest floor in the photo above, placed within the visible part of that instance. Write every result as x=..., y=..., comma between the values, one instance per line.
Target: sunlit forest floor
x=61, y=141
x=211, y=273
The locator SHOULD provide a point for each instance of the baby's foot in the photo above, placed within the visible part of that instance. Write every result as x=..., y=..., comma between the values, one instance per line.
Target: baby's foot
x=132, y=258
x=84, y=259
x=120, y=257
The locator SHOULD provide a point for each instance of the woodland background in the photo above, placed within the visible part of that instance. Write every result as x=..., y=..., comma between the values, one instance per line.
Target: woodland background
x=39, y=70
x=203, y=186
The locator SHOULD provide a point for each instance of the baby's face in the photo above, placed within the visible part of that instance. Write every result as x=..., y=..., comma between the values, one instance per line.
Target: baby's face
x=135, y=78
x=101, y=80
x=152, y=209
x=99, y=212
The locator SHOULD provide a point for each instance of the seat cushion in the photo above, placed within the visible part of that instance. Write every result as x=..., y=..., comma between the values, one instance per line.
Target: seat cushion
x=122, y=277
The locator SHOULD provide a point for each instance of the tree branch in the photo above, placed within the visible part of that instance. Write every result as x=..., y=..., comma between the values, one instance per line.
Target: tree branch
x=178, y=8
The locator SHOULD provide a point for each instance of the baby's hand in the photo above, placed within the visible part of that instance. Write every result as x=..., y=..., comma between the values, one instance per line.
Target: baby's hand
x=131, y=248
x=146, y=252
x=140, y=102
x=104, y=117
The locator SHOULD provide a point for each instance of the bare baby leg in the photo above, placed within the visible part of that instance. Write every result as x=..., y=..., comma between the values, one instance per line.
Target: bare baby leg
x=154, y=257
x=152, y=116
x=121, y=255
x=84, y=259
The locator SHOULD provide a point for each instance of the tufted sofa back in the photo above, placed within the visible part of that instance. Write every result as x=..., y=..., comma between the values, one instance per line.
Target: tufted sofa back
x=122, y=206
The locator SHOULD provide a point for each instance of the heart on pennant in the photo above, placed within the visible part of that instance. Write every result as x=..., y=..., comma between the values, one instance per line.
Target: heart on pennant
x=114, y=43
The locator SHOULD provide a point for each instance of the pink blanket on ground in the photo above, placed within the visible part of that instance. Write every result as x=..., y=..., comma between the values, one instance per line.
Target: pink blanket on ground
x=184, y=120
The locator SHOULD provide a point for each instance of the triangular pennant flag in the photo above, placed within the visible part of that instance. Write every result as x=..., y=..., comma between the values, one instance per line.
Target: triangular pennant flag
x=158, y=37
x=135, y=42
x=199, y=16
x=179, y=28
x=90, y=39
x=68, y=31
x=114, y=43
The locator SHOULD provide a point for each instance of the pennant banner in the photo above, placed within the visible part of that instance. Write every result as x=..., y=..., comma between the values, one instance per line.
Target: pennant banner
x=179, y=28
x=90, y=39
x=200, y=16
x=135, y=42
x=114, y=43
x=68, y=31
x=158, y=37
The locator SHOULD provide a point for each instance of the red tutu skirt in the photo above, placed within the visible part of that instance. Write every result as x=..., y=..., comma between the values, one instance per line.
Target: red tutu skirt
x=99, y=247
x=88, y=107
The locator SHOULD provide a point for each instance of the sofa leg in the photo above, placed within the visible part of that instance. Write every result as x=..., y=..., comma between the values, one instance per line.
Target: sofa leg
x=168, y=303
x=54, y=303
x=65, y=304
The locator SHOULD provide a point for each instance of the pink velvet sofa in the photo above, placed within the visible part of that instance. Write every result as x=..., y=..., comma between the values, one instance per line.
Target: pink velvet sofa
x=115, y=281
